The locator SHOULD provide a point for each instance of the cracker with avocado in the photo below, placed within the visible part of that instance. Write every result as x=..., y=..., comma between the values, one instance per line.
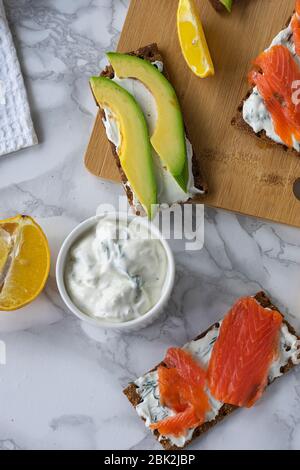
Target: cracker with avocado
x=151, y=54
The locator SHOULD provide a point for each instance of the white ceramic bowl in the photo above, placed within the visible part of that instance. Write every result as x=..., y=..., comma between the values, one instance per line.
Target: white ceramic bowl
x=137, y=323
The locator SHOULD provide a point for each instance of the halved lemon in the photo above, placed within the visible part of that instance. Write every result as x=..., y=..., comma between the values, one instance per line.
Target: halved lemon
x=192, y=39
x=24, y=261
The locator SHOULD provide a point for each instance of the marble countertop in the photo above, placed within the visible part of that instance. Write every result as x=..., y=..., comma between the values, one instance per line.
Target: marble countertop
x=61, y=387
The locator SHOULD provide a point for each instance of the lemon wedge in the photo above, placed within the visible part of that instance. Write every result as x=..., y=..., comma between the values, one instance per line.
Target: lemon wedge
x=24, y=261
x=192, y=39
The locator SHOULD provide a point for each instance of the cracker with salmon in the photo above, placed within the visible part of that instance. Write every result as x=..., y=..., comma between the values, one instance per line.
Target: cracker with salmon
x=271, y=109
x=226, y=367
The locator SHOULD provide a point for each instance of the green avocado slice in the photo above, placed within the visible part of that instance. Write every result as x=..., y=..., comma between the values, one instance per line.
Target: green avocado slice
x=135, y=152
x=227, y=4
x=168, y=139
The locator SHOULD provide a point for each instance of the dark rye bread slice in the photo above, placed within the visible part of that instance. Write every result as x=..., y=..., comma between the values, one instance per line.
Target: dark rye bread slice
x=152, y=54
x=134, y=398
x=238, y=122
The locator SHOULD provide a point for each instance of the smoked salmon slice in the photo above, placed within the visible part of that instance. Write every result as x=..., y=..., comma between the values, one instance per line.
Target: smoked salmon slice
x=247, y=345
x=276, y=74
x=178, y=424
x=185, y=365
x=296, y=28
x=171, y=389
x=182, y=389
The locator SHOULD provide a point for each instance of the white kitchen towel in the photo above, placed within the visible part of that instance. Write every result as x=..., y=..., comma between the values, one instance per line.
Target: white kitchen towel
x=16, y=127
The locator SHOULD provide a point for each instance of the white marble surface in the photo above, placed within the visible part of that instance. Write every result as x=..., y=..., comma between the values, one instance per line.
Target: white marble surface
x=62, y=385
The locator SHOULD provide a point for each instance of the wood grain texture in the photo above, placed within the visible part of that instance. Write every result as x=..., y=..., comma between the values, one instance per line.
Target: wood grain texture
x=243, y=175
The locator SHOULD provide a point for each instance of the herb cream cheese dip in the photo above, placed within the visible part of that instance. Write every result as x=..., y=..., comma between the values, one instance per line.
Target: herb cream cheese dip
x=116, y=271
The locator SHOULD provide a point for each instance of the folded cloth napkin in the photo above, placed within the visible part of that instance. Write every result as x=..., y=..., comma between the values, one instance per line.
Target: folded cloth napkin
x=16, y=128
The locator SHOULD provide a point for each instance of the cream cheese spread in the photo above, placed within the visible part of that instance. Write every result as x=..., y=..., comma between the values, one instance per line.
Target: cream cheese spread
x=255, y=113
x=152, y=411
x=289, y=350
x=116, y=272
x=169, y=192
x=150, y=408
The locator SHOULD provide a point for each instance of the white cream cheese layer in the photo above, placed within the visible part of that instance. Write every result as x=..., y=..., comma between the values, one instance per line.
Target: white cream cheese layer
x=152, y=411
x=150, y=408
x=255, y=113
x=289, y=349
x=169, y=192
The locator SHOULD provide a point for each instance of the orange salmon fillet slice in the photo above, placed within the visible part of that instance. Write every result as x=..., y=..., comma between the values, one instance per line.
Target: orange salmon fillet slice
x=182, y=389
x=276, y=75
x=296, y=28
x=243, y=353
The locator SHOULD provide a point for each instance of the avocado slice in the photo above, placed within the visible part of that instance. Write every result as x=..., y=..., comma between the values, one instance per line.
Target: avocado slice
x=135, y=152
x=168, y=139
x=227, y=4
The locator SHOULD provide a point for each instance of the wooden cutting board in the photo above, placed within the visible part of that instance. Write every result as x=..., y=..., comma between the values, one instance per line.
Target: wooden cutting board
x=243, y=175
